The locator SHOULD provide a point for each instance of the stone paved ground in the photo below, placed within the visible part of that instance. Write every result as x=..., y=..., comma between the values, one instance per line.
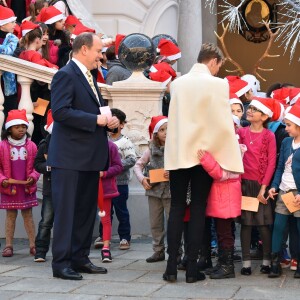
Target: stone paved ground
x=130, y=277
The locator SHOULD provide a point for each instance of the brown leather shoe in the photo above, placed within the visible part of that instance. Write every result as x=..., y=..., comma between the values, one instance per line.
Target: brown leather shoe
x=156, y=256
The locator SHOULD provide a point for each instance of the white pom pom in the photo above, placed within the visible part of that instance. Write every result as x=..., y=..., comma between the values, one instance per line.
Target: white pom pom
x=101, y=213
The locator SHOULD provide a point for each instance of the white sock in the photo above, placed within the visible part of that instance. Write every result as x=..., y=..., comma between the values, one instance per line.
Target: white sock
x=266, y=262
x=246, y=263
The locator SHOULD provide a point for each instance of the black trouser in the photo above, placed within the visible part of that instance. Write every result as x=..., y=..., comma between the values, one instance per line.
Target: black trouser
x=42, y=240
x=74, y=196
x=200, y=187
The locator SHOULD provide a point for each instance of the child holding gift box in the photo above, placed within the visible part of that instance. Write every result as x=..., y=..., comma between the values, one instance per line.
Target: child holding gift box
x=159, y=196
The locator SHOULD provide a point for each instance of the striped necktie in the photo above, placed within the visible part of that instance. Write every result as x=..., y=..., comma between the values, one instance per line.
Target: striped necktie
x=91, y=83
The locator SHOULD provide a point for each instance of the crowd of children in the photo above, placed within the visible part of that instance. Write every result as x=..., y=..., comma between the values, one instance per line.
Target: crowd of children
x=267, y=127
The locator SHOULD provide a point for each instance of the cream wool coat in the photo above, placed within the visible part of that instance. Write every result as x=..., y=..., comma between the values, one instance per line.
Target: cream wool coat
x=200, y=118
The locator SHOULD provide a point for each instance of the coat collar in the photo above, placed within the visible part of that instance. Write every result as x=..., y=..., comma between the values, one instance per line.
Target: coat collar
x=84, y=81
x=200, y=68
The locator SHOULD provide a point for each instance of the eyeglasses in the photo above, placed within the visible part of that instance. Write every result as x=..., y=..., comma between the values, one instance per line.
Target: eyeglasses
x=253, y=109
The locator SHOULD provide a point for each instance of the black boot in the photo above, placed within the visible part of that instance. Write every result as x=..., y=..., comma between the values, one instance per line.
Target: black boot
x=275, y=266
x=214, y=269
x=204, y=261
x=183, y=263
x=226, y=269
x=171, y=270
x=192, y=272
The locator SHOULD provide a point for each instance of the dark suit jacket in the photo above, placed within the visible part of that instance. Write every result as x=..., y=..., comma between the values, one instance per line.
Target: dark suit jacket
x=77, y=142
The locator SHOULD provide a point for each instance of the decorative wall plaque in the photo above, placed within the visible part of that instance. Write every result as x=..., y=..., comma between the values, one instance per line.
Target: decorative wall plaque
x=255, y=12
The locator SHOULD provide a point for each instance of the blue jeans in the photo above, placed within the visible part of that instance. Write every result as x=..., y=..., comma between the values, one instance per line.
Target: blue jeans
x=42, y=240
x=294, y=237
x=119, y=206
x=280, y=224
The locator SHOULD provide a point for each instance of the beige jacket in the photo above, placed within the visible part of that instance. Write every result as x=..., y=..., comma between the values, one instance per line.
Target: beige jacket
x=200, y=118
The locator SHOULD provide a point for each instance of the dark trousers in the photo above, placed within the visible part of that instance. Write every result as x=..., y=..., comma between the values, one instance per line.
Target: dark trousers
x=205, y=249
x=10, y=102
x=294, y=234
x=265, y=233
x=39, y=90
x=200, y=187
x=280, y=224
x=224, y=232
x=74, y=195
x=119, y=205
x=42, y=240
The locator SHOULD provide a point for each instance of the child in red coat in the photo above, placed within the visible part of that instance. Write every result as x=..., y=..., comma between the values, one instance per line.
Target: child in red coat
x=32, y=41
x=224, y=204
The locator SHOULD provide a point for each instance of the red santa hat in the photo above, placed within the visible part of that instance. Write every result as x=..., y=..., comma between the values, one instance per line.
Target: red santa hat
x=71, y=21
x=161, y=76
x=80, y=28
x=49, y=126
x=294, y=95
x=234, y=99
x=28, y=26
x=165, y=67
x=49, y=15
x=169, y=49
x=118, y=40
x=156, y=123
x=270, y=107
x=282, y=95
x=287, y=110
x=107, y=42
x=6, y=15
x=16, y=117
x=294, y=115
x=237, y=85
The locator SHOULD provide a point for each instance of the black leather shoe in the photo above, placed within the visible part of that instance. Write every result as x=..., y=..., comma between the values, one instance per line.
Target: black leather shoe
x=265, y=269
x=169, y=278
x=191, y=279
x=67, y=273
x=90, y=268
x=246, y=271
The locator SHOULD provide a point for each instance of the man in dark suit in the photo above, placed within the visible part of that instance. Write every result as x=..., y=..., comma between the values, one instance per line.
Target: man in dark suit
x=77, y=152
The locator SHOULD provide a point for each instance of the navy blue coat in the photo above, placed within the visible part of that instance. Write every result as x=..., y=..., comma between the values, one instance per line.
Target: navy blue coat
x=77, y=142
x=285, y=152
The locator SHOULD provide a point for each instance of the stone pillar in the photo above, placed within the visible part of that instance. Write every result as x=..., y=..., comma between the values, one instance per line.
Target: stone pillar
x=25, y=101
x=189, y=33
x=210, y=24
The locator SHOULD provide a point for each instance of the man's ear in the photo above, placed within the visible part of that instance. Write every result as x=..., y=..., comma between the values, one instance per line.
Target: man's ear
x=84, y=50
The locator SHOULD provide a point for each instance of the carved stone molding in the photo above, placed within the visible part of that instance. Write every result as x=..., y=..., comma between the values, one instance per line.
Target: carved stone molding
x=150, y=17
x=26, y=68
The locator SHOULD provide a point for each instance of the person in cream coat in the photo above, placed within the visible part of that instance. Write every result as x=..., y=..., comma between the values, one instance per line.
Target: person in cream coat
x=199, y=117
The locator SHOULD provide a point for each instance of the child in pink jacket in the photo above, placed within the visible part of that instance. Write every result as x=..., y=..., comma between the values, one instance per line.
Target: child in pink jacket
x=108, y=185
x=223, y=204
x=17, y=178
